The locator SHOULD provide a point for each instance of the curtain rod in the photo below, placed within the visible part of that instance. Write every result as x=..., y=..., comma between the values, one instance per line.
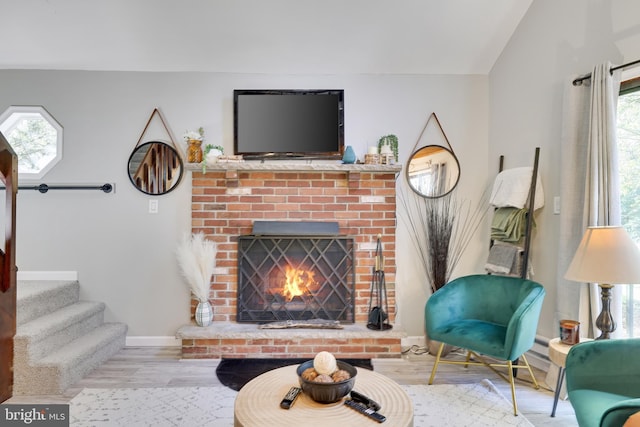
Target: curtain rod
x=579, y=80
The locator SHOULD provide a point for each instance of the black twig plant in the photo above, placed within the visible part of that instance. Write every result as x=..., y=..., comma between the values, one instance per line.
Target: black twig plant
x=440, y=230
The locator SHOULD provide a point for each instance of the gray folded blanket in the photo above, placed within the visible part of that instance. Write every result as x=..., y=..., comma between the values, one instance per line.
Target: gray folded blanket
x=503, y=259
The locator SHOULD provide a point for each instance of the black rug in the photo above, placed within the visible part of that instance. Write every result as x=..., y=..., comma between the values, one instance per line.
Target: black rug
x=234, y=373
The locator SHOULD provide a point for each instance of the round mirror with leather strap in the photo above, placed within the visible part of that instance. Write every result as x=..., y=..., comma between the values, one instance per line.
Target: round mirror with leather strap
x=155, y=168
x=433, y=171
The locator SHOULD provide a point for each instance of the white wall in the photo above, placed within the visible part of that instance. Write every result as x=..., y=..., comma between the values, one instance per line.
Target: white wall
x=555, y=41
x=123, y=254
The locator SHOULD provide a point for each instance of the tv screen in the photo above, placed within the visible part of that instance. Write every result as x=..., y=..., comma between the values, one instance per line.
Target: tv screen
x=283, y=124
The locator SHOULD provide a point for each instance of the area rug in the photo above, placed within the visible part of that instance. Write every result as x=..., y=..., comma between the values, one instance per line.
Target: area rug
x=479, y=404
x=235, y=373
x=438, y=405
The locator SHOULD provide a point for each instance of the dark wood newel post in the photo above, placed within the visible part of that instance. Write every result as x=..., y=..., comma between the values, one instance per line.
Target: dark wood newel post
x=9, y=176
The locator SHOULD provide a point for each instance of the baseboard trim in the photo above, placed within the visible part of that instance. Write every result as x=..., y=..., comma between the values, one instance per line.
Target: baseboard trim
x=47, y=275
x=418, y=340
x=153, y=341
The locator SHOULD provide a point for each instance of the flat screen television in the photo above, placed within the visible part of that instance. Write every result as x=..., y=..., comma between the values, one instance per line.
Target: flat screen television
x=287, y=124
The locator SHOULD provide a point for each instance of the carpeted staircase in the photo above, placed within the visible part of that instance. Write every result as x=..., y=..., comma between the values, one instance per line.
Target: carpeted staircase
x=59, y=338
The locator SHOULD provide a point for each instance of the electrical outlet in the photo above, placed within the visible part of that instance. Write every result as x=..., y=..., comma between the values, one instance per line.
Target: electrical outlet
x=153, y=206
x=556, y=205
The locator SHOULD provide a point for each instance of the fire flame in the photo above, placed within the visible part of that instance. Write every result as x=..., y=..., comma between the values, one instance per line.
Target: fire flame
x=297, y=282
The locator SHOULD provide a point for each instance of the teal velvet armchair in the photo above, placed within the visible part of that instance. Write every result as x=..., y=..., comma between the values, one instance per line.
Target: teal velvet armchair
x=603, y=381
x=487, y=315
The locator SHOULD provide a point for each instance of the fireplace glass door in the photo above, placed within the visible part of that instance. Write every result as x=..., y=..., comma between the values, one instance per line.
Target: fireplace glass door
x=295, y=278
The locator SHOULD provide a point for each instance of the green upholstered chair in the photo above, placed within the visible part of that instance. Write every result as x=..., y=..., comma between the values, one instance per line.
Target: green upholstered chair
x=603, y=381
x=487, y=315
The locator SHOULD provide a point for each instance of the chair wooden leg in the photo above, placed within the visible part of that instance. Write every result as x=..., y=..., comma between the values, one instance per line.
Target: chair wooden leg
x=466, y=365
x=513, y=387
x=435, y=365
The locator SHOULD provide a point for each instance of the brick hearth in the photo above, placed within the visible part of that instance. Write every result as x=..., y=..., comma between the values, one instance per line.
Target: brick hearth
x=233, y=340
x=227, y=199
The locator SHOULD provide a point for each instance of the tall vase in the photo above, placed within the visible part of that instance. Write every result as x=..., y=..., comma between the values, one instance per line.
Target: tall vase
x=204, y=313
x=194, y=151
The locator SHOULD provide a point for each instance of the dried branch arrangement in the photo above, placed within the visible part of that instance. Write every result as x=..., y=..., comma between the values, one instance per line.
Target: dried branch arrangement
x=440, y=230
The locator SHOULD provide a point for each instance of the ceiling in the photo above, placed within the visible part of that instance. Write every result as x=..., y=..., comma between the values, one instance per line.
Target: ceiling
x=259, y=36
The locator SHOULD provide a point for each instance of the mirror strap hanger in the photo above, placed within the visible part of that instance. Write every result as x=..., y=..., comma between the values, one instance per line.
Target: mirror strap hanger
x=433, y=116
x=164, y=124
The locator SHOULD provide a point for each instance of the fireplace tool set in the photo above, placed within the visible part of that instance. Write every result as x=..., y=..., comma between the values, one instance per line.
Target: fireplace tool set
x=378, y=317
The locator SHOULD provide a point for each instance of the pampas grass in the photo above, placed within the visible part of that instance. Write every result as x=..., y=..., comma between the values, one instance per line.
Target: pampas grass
x=197, y=259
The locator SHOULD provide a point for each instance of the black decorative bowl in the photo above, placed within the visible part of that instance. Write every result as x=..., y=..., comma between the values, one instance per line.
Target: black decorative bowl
x=327, y=392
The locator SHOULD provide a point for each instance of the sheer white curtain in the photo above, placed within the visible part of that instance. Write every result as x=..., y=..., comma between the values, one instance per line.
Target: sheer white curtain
x=589, y=186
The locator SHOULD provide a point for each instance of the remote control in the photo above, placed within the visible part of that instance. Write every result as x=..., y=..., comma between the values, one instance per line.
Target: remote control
x=288, y=400
x=364, y=410
x=359, y=397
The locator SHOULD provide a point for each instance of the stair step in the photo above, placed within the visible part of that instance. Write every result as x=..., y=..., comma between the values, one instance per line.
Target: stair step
x=38, y=298
x=57, y=371
x=46, y=334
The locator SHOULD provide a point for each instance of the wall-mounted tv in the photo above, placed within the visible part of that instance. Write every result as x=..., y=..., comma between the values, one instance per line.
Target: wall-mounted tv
x=284, y=124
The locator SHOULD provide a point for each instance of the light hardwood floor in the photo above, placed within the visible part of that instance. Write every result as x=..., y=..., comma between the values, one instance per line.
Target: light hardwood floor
x=162, y=367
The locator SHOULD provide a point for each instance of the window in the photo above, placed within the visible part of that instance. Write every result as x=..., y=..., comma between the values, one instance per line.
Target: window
x=35, y=136
x=629, y=156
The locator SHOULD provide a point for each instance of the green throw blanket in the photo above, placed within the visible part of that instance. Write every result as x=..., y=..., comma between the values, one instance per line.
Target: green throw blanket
x=509, y=224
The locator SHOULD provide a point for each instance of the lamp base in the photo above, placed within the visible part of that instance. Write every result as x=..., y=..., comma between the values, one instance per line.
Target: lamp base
x=605, y=321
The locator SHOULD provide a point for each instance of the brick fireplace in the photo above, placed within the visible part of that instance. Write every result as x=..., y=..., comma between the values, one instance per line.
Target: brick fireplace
x=229, y=198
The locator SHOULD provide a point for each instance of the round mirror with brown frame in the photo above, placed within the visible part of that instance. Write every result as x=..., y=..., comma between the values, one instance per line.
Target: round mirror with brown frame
x=155, y=168
x=433, y=171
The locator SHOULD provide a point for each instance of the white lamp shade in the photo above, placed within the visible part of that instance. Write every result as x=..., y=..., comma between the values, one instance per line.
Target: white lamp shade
x=606, y=255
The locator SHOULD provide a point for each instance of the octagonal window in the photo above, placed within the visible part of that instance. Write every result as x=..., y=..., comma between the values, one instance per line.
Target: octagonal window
x=35, y=136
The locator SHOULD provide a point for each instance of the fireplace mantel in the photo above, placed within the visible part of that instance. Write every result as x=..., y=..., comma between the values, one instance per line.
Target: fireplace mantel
x=294, y=166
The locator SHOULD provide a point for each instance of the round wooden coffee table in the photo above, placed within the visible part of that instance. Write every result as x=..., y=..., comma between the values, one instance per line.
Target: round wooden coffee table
x=258, y=403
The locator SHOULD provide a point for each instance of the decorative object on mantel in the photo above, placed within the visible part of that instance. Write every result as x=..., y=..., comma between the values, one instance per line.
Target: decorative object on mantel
x=194, y=145
x=349, y=156
x=388, y=149
x=213, y=151
x=231, y=158
x=155, y=167
x=378, y=314
x=197, y=260
x=372, y=157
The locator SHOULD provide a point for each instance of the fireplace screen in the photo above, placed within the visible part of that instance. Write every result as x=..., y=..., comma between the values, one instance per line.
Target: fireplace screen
x=295, y=278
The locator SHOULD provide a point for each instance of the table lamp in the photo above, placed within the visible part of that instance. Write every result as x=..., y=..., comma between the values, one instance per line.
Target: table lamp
x=606, y=256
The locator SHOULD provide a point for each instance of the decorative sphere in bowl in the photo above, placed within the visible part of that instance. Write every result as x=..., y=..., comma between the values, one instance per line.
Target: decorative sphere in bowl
x=327, y=392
